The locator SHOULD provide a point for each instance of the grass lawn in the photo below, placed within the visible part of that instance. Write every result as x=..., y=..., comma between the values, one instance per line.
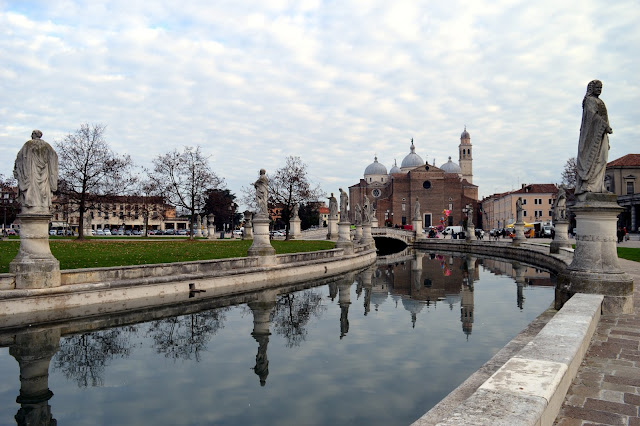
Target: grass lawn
x=100, y=253
x=629, y=253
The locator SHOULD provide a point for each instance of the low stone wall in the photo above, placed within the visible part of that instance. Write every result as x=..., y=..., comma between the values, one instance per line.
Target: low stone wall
x=138, y=287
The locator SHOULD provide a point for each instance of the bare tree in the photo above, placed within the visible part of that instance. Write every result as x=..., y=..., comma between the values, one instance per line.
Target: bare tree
x=89, y=171
x=10, y=205
x=183, y=178
x=570, y=173
x=292, y=313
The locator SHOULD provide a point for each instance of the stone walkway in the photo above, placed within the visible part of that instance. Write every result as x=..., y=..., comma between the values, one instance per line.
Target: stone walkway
x=606, y=389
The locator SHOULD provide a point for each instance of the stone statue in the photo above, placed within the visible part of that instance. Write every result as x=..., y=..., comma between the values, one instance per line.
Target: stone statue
x=36, y=169
x=358, y=216
x=205, y=222
x=295, y=211
x=333, y=207
x=344, y=205
x=593, y=147
x=470, y=216
x=366, y=211
x=262, y=192
x=416, y=210
x=519, y=210
x=560, y=205
x=198, y=222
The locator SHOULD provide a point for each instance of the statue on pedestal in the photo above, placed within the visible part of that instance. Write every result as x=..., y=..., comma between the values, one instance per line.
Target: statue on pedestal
x=519, y=210
x=333, y=207
x=560, y=205
x=593, y=146
x=344, y=204
x=262, y=193
x=36, y=169
x=358, y=215
x=366, y=211
x=416, y=210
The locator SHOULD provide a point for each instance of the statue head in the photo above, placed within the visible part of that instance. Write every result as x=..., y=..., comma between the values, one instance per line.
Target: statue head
x=594, y=88
x=36, y=134
x=262, y=172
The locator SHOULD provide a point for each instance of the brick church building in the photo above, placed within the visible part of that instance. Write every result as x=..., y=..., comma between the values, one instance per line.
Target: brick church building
x=394, y=194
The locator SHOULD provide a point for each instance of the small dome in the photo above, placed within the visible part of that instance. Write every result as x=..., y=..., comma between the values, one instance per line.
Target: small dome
x=465, y=134
x=395, y=168
x=412, y=160
x=375, y=168
x=451, y=167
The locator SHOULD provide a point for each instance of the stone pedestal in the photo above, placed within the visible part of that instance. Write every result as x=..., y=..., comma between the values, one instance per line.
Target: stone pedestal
x=211, y=228
x=332, y=230
x=247, y=233
x=471, y=233
x=344, y=237
x=595, y=268
x=417, y=228
x=519, y=233
x=294, y=228
x=561, y=236
x=34, y=265
x=367, y=238
x=374, y=221
x=358, y=236
x=261, y=244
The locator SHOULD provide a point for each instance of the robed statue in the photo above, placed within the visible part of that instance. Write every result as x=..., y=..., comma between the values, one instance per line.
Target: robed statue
x=519, y=210
x=560, y=205
x=366, y=211
x=358, y=215
x=416, y=210
x=262, y=192
x=344, y=205
x=333, y=207
x=36, y=170
x=593, y=147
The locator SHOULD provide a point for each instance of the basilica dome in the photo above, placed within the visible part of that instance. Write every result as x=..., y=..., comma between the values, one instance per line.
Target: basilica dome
x=375, y=168
x=451, y=167
x=412, y=159
x=395, y=168
x=465, y=134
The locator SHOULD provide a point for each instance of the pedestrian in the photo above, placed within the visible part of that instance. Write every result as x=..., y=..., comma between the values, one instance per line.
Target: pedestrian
x=620, y=234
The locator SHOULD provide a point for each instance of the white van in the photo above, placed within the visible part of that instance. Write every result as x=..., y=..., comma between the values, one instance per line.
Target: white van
x=450, y=229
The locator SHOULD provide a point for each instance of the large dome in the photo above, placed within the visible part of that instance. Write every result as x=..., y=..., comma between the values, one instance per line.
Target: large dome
x=465, y=134
x=375, y=168
x=451, y=167
x=412, y=159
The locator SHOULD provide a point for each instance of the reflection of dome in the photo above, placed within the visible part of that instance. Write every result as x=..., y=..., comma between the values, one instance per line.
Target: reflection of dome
x=465, y=134
x=395, y=168
x=451, y=167
x=412, y=159
x=375, y=168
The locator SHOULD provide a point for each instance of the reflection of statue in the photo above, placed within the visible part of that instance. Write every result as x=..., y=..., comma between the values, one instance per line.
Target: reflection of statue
x=560, y=205
x=366, y=211
x=416, y=210
x=593, y=147
x=261, y=186
x=36, y=169
x=262, y=362
x=358, y=215
x=333, y=207
x=519, y=210
x=344, y=204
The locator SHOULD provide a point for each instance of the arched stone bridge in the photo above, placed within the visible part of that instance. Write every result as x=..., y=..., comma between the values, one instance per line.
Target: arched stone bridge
x=407, y=237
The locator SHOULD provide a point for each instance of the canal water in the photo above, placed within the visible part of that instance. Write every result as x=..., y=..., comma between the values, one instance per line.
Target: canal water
x=380, y=346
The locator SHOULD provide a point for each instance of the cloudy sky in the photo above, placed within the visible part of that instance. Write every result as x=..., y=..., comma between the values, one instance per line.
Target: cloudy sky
x=334, y=82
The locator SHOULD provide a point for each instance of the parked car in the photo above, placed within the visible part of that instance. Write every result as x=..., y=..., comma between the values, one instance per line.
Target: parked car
x=170, y=232
x=136, y=232
x=107, y=232
x=93, y=232
x=60, y=232
x=100, y=231
x=52, y=232
x=237, y=232
x=11, y=231
x=127, y=232
x=181, y=232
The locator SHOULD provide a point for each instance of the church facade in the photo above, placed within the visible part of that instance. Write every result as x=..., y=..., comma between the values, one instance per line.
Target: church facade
x=393, y=194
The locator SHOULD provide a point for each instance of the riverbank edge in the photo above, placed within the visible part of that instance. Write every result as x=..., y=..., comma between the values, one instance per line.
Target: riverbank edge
x=525, y=382
x=106, y=290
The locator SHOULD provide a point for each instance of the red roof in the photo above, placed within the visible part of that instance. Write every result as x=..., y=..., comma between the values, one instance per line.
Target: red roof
x=323, y=210
x=629, y=160
x=538, y=188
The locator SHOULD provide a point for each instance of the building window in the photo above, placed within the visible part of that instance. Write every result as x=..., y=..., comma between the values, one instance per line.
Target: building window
x=535, y=201
x=524, y=201
x=550, y=201
x=427, y=220
x=404, y=207
x=376, y=193
x=550, y=213
x=524, y=212
x=426, y=184
x=629, y=188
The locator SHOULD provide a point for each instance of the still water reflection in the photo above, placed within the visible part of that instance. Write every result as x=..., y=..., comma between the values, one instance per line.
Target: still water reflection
x=380, y=346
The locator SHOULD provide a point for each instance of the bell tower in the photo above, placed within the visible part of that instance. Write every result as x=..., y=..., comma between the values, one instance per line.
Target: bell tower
x=466, y=158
